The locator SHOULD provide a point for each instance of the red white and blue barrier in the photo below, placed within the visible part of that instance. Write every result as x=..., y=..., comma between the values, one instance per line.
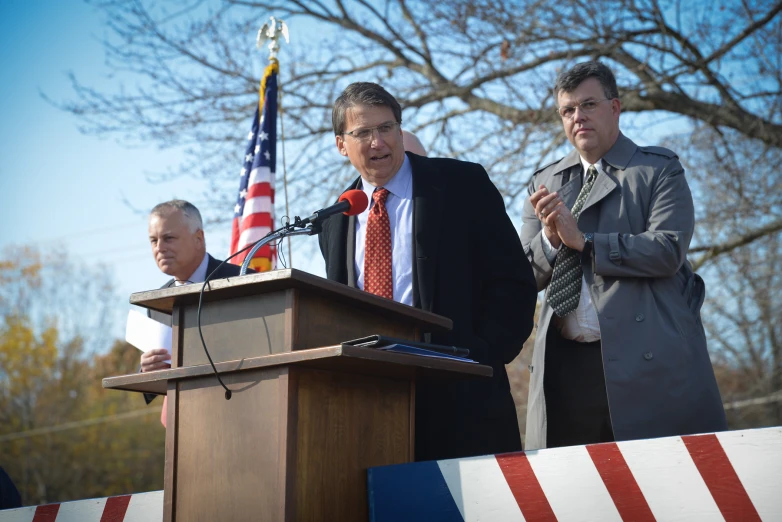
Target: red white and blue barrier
x=730, y=476
x=139, y=507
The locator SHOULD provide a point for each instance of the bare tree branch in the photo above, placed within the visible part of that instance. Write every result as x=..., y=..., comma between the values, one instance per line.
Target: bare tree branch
x=712, y=251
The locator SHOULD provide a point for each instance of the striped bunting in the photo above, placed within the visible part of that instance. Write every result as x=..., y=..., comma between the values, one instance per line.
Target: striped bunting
x=140, y=507
x=727, y=476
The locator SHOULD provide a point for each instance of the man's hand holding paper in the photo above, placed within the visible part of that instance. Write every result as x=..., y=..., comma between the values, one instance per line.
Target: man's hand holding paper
x=156, y=359
x=151, y=337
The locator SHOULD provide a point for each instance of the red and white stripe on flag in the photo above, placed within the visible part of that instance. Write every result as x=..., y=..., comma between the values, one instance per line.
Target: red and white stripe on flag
x=254, y=210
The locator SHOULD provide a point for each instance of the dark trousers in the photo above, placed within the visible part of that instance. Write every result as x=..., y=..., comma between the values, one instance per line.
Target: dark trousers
x=574, y=385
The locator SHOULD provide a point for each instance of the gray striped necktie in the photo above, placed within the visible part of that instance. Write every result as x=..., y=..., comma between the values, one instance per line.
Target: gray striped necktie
x=565, y=286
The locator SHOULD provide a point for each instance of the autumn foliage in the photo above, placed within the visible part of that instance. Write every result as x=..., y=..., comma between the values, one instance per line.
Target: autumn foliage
x=62, y=436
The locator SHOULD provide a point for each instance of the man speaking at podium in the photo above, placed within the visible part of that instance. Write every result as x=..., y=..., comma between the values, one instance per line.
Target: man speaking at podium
x=435, y=236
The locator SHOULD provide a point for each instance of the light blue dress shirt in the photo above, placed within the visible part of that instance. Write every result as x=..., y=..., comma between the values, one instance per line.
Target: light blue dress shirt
x=400, y=214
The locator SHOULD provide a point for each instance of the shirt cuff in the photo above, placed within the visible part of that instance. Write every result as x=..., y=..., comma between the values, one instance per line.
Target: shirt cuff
x=548, y=249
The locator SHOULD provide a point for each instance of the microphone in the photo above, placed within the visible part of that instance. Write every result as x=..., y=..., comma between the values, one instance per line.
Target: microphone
x=350, y=203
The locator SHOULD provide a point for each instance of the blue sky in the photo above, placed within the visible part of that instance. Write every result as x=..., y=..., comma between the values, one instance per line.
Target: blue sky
x=87, y=194
x=60, y=187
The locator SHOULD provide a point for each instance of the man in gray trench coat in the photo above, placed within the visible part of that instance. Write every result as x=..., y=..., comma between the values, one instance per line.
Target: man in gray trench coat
x=620, y=351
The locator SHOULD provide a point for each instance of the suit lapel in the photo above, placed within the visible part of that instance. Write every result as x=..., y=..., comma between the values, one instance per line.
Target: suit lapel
x=349, y=229
x=340, y=236
x=335, y=230
x=570, y=166
x=428, y=193
x=211, y=265
x=604, y=184
x=350, y=261
x=569, y=191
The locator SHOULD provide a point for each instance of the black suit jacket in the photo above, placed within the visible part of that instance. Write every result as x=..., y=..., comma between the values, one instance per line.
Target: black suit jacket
x=469, y=266
x=227, y=270
x=9, y=495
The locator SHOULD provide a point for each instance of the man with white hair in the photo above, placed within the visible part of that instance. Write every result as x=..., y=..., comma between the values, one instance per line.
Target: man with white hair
x=176, y=234
x=412, y=144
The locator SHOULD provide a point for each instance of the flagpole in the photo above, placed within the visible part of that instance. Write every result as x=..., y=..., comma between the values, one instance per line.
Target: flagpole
x=280, y=110
x=271, y=32
x=254, y=209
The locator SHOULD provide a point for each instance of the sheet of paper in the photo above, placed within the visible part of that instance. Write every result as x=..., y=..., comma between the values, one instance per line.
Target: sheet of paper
x=146, y=334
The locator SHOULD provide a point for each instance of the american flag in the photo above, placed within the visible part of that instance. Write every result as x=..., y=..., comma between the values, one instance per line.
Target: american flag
x=254, y=210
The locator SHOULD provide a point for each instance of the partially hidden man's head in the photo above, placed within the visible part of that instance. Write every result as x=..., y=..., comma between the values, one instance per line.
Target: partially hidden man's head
x=367, y=124
x=588, y=103
x=176, y=234
x=412, y=143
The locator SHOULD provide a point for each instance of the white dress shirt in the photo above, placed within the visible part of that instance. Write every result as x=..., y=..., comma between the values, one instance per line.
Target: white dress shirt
x=399, y=205
x=199, y=276
x=582, y=324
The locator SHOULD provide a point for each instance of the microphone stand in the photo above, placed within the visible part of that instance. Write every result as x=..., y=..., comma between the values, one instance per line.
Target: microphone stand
x=287, y=231
x=299, y=227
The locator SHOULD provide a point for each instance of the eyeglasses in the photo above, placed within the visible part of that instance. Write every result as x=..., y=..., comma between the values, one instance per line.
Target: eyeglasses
x=589, y=106
x=366, y=134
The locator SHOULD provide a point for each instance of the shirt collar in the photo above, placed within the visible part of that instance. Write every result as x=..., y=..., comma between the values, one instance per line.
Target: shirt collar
x=598, y=165
x=400, y=185
x=199, y=275
x=618, y=157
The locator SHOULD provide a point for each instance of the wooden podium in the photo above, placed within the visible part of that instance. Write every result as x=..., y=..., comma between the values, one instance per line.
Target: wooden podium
x=307, y=417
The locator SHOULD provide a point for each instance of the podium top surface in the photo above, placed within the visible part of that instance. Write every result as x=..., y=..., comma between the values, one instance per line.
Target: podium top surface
x=349, y=359
x=164, y=299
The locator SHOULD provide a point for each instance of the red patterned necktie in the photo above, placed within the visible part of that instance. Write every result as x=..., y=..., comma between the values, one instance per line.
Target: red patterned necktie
x=377, y=249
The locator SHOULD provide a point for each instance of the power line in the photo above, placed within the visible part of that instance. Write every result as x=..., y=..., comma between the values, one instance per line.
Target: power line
x=122, y=226
x=77, y=424
x=136, y=249
x=774, y=397
x=94, y=231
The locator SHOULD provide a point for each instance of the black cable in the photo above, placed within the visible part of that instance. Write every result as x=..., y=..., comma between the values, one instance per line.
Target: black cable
x=228, y=392
x=281, y=252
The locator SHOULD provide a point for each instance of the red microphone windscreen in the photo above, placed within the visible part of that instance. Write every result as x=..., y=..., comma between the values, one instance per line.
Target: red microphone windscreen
x=358, y=201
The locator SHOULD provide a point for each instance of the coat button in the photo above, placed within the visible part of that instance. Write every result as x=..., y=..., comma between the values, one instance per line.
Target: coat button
x=648, y=356
x=530, y=368
x=640, y=317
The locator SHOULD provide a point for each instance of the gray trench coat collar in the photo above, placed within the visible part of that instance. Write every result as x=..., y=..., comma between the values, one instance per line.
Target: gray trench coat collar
x=621, y=153
x=618, y=156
